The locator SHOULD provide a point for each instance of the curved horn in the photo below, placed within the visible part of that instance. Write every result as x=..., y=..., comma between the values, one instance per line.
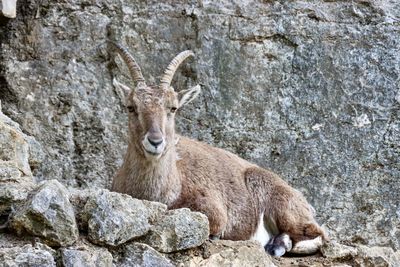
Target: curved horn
x=133, y=67
x=173, y=66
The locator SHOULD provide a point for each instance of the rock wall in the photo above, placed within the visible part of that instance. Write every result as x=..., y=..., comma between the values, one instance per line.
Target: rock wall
x=309, y=89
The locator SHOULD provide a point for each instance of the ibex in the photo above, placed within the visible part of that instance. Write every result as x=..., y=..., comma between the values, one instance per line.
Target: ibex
x=241, y=200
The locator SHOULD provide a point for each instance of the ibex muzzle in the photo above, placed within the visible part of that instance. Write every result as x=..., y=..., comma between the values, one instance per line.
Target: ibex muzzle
x=154, y=141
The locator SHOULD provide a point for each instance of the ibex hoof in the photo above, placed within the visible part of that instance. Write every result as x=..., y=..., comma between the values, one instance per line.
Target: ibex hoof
x=279, y=245
x=215, y=237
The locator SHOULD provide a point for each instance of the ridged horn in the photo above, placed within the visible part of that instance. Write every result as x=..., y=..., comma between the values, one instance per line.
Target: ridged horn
x=133, y=67
x=169, y=72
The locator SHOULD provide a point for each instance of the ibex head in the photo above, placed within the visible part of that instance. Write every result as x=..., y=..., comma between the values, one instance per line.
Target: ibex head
x=152, y=108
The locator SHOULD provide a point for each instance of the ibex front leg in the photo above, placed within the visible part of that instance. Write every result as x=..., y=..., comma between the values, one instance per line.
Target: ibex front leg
x=209, y=205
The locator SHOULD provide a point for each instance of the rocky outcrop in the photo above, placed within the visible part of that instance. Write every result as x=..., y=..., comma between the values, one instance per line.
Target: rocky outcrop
x=309, y=89
x=117, y=230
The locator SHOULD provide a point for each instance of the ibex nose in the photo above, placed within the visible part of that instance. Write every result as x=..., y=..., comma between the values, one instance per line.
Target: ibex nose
x=154, y=136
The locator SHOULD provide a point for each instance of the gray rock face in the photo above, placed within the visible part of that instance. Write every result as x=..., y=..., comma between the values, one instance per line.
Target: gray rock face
x=309, y=89
x=28, y=256
x=180, y=229
x=141, y=255
x=114, y=218
x=48, y=214
x=86, y=256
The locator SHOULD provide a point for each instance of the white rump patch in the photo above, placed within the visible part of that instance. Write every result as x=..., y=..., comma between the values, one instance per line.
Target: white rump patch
x=261, y=235
x=307, y=246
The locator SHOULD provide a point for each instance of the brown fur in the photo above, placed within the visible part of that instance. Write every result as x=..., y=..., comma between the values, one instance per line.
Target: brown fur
x=229, y=190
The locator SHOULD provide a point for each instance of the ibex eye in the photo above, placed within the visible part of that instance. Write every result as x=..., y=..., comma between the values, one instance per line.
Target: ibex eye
x=173, y=110
x=131, y=109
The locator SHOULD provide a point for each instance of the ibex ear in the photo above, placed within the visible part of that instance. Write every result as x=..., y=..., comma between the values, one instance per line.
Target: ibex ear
x=188, y=95
x=122, y=90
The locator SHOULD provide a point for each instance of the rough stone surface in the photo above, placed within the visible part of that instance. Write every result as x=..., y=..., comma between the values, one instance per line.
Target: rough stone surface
x=48, y=214
x=86, y=256
x=15, y=163
x=377, y=257
x=339, y=255
x=12, y=194
x=179, y=229
x=114, y=218
x=78, y=199
x=28, y=256
x=14, y=151
x=141, y=255
x=338, y=251
x=225, y=253
x=309, y=89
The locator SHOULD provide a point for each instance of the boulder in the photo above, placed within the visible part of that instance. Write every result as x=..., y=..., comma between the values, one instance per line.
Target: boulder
x=377, y=257
x=180, y=229
x=337, y=251
x=86, y=256
x=141, y=255
x=48, y=214
x=113, y=218
x=39, y=255
x=13, y=194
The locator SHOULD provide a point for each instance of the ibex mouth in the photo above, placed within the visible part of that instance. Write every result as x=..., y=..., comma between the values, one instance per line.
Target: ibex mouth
x=155, y=154
x=153, y=150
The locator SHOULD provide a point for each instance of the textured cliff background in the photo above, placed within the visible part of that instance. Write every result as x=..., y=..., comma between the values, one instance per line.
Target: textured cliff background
x=310, y=89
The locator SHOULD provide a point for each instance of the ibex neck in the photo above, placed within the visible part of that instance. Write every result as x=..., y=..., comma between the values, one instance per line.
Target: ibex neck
x=155, y=180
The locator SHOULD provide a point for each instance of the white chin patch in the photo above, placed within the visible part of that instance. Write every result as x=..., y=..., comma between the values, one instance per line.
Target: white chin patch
x=152, y=150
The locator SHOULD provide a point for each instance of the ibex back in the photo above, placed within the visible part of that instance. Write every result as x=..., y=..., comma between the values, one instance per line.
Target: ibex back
x=241, y=200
